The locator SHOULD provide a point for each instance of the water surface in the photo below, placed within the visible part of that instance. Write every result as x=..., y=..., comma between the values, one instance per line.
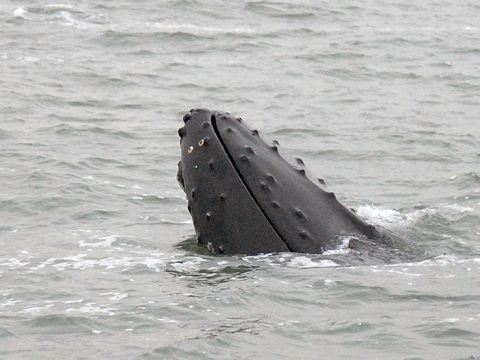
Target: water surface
x=97, y=254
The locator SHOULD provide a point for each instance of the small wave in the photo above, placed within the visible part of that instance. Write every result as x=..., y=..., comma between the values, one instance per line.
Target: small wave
x=458, y=208
x=280, y=10
x=197, y=29
x=82, y=262
x=172, y=222
x=105, y=241
x=440, y=260
x=170, y=30
x=304, y=262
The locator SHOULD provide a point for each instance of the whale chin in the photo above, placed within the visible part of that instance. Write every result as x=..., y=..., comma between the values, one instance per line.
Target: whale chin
x=247, y=196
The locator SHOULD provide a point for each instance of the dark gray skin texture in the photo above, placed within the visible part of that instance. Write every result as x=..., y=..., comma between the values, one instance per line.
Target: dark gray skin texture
x=248, y=197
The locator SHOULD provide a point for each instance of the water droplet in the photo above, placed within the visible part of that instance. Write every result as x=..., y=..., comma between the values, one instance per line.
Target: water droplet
x=190, y=149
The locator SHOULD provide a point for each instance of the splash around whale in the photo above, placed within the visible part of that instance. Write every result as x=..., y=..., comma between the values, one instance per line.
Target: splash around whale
x=249, y=197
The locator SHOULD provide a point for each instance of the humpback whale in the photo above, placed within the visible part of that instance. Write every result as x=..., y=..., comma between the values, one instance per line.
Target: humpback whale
x=246, y=196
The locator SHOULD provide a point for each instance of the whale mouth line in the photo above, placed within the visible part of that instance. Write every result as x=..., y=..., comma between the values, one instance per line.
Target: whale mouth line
x=242, y=179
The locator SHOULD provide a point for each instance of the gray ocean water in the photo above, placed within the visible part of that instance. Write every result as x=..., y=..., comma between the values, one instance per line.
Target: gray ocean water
x=97, y=252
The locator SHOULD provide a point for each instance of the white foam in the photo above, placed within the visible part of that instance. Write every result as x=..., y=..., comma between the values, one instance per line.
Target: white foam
x=36, y=309
x=304, y=262
x=341, y=249
x=385, y=216
x=78, y=262
x=9, y=302
x=380, y=216
x=13, y=263
x=115, y=296
x=19, y=12
x=91, y=309
x=187, y=266
x=107, y=241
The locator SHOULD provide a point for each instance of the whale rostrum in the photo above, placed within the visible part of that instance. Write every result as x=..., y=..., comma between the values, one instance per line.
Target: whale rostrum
x=246, y=196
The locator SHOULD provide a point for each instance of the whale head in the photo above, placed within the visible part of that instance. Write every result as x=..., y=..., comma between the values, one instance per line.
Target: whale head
x=247, y=196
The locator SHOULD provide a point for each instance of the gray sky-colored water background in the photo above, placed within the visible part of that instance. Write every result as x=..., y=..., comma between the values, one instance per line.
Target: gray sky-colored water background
x=97, y=251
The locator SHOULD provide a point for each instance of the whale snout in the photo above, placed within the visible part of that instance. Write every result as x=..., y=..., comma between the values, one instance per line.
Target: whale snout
x=247, y=196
